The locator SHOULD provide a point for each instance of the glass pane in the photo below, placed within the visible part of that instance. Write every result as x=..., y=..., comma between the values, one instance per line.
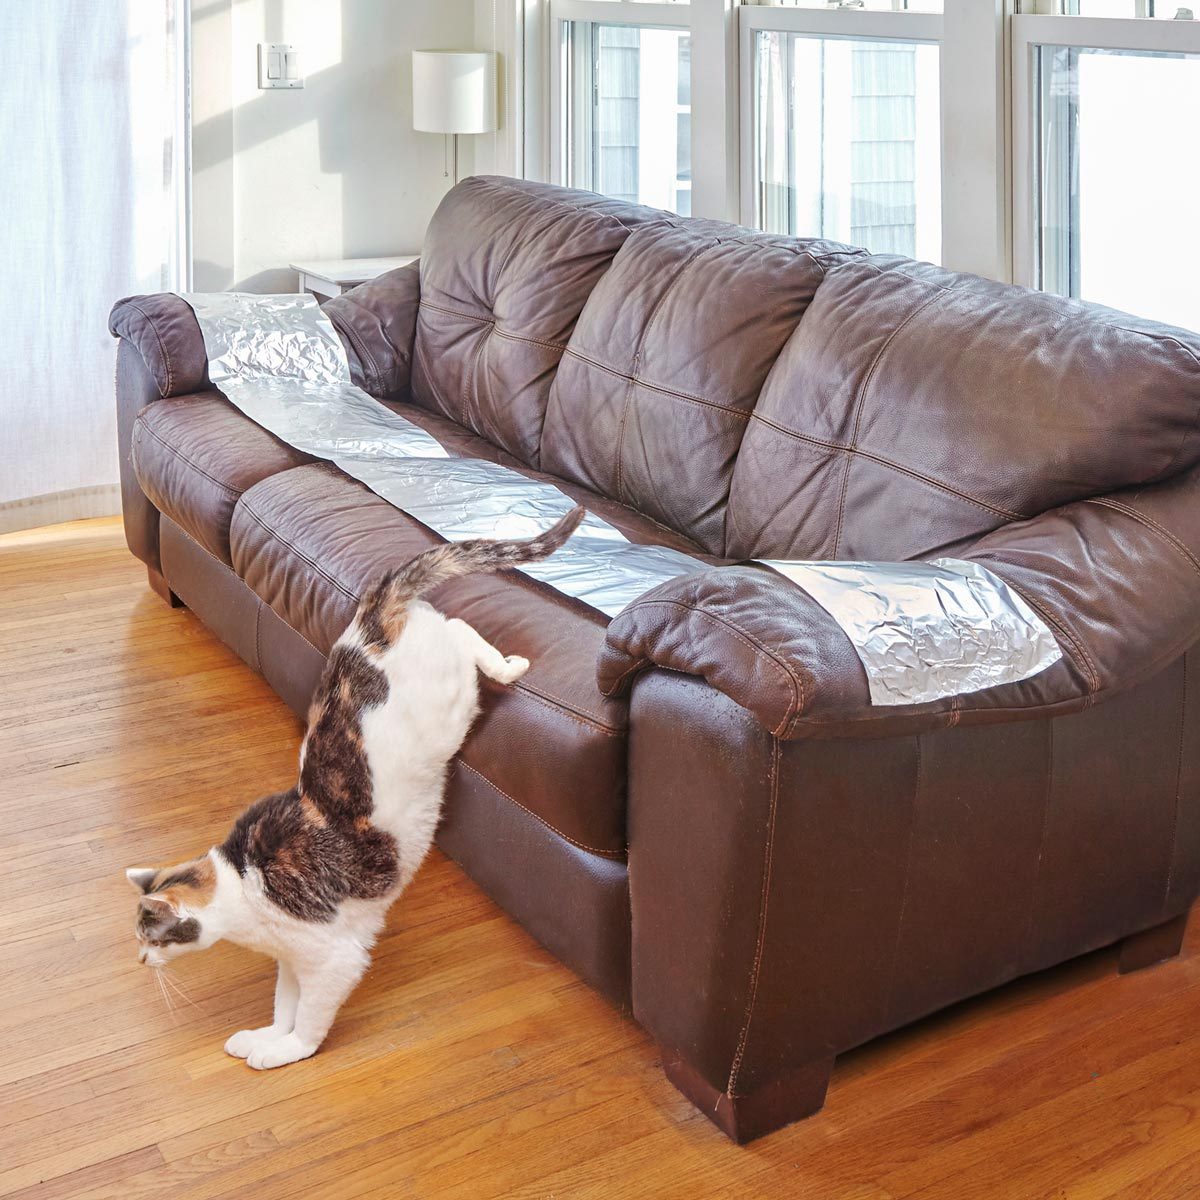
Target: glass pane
x=1161, y=9
x=873, y=5
x=848, y=142
x=628, y=108
x=1109, y=169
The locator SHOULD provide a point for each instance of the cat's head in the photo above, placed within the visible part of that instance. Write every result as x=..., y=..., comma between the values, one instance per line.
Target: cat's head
x=174, y=909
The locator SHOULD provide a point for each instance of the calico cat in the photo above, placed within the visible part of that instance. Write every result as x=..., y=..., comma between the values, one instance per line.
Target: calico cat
x=307, y=875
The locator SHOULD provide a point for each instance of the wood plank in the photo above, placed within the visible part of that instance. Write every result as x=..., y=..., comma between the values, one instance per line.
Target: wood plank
x=469, y=1063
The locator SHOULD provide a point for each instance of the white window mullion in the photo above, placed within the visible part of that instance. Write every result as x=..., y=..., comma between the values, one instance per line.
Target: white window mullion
x=975, y=140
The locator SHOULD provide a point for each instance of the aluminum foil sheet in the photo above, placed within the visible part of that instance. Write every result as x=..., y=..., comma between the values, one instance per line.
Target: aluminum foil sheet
x=924, y=631
x=279, y=360
x=927, y=631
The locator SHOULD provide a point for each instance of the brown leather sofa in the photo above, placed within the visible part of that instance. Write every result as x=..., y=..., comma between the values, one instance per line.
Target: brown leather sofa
x=696, y=806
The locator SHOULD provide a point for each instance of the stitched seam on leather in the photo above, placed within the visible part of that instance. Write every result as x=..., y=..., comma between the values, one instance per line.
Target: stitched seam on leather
x=895, y=466
x=262, y=603
x=468, y=382
x=1050, y=619
x=162, y=348
x=799, y=699
x=615, y=686
x=262, y=524
x=674, y=393
x=257, y=630
x=859, y=398
x=419, y=352
x=568, y=710
x=918, y=780
x=504, y=333
x=618, y=854
x=761, y=937
x=637, y=354
x=1037, y=869
x=1151, y=524
x=225, y=487
x=1178, y=789
x=363, y=352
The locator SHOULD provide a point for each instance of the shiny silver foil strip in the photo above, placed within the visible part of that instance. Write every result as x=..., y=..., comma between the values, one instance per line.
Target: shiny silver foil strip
x=279, y=360
x=924, y=631
x=929, y=630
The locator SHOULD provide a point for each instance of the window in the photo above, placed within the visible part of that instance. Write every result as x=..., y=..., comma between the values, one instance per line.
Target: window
x=625, y=106
x=1104, y=190
x=1020, y=140
x=846, y=127
x=847, y=141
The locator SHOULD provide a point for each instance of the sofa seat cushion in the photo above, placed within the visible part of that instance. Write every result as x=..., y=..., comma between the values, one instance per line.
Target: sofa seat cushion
x=195, y=455
x=310, y=541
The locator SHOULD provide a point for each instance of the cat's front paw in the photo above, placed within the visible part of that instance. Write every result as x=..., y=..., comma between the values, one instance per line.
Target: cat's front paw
x=279, y=1052
x=243, y=1043
x=514, y=667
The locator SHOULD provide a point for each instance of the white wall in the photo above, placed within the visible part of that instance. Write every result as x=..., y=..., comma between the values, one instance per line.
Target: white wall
x=332, y=170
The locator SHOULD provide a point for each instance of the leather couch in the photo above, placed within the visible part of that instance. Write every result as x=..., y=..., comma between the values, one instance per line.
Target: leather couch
x=695, y=805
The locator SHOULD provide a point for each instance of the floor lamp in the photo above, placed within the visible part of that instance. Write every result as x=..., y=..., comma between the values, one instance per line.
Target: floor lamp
x=454, y=92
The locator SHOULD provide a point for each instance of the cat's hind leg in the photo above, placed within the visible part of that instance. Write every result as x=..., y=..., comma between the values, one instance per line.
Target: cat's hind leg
x=287, y=996
x=501, y=668
x=324, y=985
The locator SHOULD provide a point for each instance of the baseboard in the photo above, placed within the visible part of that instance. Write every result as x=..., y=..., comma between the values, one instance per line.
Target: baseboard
x=103, y=500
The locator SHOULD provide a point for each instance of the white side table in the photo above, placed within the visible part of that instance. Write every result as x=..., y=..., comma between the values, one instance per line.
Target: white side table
x=328, y=277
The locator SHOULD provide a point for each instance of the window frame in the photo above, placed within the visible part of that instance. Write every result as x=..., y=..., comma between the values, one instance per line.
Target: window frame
x=1030, y=32
x=830, y=24
x=606, y=12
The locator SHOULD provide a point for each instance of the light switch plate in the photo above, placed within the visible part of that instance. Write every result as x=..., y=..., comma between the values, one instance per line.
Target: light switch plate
x=279, y=66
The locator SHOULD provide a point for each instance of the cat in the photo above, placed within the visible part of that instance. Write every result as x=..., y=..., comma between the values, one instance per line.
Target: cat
x=307, y=876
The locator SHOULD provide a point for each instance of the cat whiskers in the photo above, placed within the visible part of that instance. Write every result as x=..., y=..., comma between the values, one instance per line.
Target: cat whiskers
x=177, y=988
x=162, y=991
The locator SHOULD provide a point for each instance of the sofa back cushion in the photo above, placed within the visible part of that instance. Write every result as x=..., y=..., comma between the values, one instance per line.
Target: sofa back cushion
x=505, y=270
x=914, y=408
x=664, y=368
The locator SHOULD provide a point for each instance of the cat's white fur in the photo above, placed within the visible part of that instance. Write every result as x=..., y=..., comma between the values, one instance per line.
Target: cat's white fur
x=409, y=740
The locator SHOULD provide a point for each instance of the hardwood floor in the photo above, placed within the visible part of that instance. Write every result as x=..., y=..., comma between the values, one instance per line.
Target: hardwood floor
x=469, y=1063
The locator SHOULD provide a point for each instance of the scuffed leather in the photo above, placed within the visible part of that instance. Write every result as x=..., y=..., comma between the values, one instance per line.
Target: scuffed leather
x=792, y=900
x=195, y=455
x=135, y=388
x=377, y=321
x=508, y=266
x=665, y=366
x=1116, y=578
x=164, y=331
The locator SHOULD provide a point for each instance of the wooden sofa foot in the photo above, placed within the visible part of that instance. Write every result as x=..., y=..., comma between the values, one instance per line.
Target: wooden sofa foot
x=1152, y=945
x=795, y=1095
x=159, y=585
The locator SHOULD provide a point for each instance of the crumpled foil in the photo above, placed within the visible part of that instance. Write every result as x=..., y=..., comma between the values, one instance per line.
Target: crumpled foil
x=924, y=631
x=928, y=630
x=279, y=360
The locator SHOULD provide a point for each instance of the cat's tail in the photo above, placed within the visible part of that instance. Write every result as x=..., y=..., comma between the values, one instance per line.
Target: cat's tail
x=381, y=612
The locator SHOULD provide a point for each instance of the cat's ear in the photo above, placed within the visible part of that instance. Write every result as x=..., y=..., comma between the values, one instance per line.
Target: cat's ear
x=158, y=907
x=141, y=877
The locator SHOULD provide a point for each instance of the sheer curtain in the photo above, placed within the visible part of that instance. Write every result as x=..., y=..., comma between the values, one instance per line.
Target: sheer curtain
x=93, y=151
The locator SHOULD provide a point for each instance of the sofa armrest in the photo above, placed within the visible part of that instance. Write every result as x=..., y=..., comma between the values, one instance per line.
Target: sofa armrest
x=378, y=323
x=163, y=330
x=1116, y=579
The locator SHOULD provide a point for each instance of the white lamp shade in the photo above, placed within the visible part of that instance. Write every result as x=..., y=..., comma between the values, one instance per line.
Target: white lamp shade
x=454, y=91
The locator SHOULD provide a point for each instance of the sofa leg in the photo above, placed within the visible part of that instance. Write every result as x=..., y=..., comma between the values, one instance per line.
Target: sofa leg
x=1152, y=945
x=797, y=1094
x=159, y=585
